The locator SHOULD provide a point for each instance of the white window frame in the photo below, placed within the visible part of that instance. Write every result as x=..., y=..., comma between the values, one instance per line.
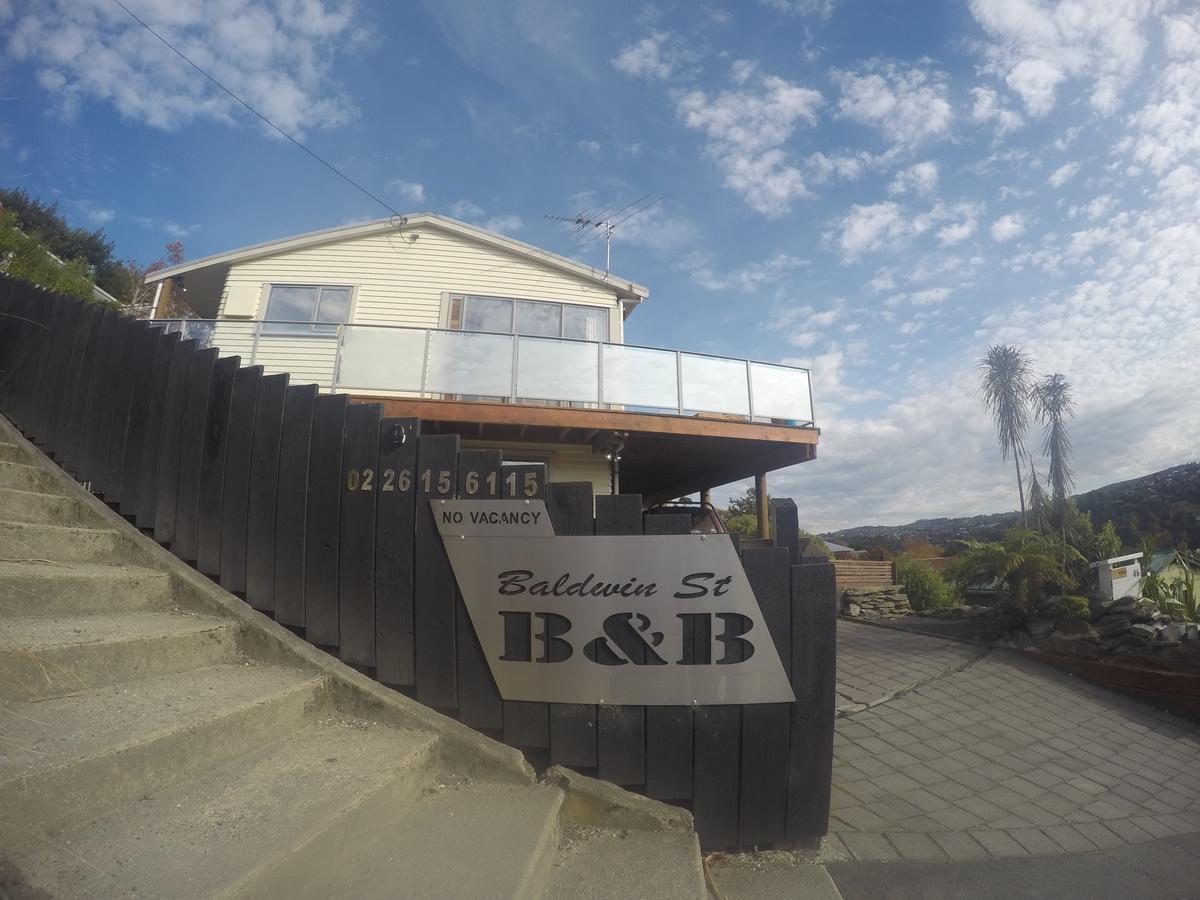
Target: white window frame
x=288, y=324
x=450, y=296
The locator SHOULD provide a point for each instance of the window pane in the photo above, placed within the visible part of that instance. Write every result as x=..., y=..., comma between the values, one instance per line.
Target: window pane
x=335, y=305
x=291, y=304
x=541, y=319
x=585, y=323
x=488, y=314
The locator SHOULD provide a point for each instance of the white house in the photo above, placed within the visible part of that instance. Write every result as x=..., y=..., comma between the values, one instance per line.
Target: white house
x=504, y=343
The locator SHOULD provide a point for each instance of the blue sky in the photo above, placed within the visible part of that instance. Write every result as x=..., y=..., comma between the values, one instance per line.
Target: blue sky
x=874, y=189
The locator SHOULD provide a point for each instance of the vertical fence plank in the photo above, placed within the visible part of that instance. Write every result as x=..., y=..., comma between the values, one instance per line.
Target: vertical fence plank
x=235, y=497
x=394, y=524
x=166, y=494
x=109, y=402
x=67, y=369
x=128, y=461
x=144, y=471
x=88, y=321
x=526, y=724
x=479, y=478
x=436, y=672
x=93, y=391
x=191, y=453
x=321, y=530
x=47, y=342
x=135, y=362
x=68, y=333
x=572, y=725
x=620, y=730
x=359, y=487
x=814, y=667
x=212, y=466
x=668, y=728
x=265, y=466
x=291, y=505
x=765, y=726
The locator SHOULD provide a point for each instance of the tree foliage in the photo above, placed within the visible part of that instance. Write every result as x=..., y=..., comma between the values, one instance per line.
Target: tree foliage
x=1026, y=563
x=923, y=585
x=740, y=517
x=1005, y=380
x=22, y=256
x=43, y=222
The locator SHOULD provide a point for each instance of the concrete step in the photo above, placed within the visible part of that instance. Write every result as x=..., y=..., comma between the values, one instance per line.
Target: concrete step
x=223, y=829
x=599, y=863
x=30, y=541
x=458, y=843
x=32, y=506
x=49, y=656
x=49, y=589
x=67, y=759
x=25, y=477
x=10, y=452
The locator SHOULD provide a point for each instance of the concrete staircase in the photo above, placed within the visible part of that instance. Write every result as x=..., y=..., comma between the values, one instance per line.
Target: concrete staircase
x=158, y=738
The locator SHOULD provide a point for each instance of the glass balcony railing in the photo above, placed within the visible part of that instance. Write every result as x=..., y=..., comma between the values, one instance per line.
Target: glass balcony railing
x=431, y=362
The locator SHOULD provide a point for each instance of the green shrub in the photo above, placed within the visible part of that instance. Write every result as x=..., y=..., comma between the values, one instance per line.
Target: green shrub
x=925, y=588
x=1064, y=608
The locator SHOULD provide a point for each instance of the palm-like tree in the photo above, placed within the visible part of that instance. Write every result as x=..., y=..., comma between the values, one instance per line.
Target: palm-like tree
x=1039, y=503
x=1005, y=381
x=1053, y=404
x=1025, y=562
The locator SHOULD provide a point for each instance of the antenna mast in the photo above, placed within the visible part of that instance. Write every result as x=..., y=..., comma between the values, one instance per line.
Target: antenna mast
x=605, y=221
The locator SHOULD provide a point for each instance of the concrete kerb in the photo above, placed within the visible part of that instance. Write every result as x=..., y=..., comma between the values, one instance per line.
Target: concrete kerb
x=593, y=802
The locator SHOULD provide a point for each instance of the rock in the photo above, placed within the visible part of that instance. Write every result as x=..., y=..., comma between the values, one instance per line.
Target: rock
x=1172, y=631
x=1142, y=630
x=1112, y=625
x=1124, y=604
x=869, y=614
x=1075, y=628
x=854, y=609
x=1100, y=606
x=1143, y=611
x=1039, y=628
x=1018, y=639
x=1071, y=645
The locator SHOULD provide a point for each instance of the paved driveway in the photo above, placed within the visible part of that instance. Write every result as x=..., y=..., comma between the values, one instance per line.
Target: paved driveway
x=977, y=757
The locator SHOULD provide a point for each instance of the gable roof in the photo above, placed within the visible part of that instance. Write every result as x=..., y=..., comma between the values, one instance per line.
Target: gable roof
x=625, y=289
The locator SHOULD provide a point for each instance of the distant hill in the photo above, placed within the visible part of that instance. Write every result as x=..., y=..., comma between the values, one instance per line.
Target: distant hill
x=1163, y=506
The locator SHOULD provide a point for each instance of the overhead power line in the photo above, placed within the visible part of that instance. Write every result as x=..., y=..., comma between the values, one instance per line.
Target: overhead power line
x=330, y=166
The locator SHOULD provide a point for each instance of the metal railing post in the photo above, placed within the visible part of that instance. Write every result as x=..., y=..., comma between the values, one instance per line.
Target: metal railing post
x=337, y=358
x=679, y=380
x=599, y=375
x=750, y=388
x=254, y=344
x=514, y=358
x=425, y=363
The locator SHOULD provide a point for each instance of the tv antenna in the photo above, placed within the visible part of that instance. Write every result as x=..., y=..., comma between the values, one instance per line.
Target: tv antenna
x=604, y=222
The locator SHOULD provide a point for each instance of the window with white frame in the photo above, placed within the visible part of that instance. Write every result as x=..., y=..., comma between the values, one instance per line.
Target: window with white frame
x=307, y=308
x=538, y=318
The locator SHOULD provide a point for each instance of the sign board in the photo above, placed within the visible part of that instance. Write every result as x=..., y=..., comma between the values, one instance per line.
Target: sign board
x=631, y=619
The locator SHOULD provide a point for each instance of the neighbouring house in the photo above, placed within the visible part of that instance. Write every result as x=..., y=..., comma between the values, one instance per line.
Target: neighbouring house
x=841, y=551
x=503, y=343
x=1173, y=566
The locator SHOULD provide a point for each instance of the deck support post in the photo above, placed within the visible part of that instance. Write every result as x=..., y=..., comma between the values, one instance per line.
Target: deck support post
x=760, y=494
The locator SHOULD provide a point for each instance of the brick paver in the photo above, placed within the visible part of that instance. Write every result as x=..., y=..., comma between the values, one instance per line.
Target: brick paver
x=999, y=758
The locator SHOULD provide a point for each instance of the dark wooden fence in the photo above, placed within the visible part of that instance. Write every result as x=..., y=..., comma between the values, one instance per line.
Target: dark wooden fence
x=314, y=510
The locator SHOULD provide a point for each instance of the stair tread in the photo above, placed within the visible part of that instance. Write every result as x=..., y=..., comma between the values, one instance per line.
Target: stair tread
x=596, y=864
x=475, y=840
x=86, y=571
x=64, y=530
x=23, y=493
x=56, y=630
x=195, y=838
x=44, y=733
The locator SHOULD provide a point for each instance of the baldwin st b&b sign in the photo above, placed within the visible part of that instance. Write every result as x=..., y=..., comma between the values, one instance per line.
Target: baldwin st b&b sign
x=637, y=620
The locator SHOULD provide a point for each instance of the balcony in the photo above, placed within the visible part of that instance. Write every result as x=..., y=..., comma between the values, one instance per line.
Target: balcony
x=383, y=361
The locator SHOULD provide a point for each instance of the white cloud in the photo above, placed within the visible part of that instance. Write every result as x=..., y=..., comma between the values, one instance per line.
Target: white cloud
x=929, y=296
x=746, y=131
x=990, y=108
x=921, y=178
x=277, y=55
x=1038, y=46
x=504, y=223
x=819, y=8
x=907, y=105
x=1007, y=227
x=956, y=233
x=1167, y=129
x=867, y=228
x=1063, y=174
x=466, y=210
x=591, y=148
x=408, y=191
x=660, y=56
x=749, y=277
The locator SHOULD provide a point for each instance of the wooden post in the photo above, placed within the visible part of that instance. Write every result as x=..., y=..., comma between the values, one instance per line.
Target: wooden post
x=706, y=497
x=764, y=517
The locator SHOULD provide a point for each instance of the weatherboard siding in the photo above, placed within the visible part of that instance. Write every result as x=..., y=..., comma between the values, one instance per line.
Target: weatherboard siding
x=564, y=462
x=401, y=283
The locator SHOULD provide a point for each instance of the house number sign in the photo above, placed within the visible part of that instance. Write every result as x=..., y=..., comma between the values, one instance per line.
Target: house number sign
x=638, y=619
